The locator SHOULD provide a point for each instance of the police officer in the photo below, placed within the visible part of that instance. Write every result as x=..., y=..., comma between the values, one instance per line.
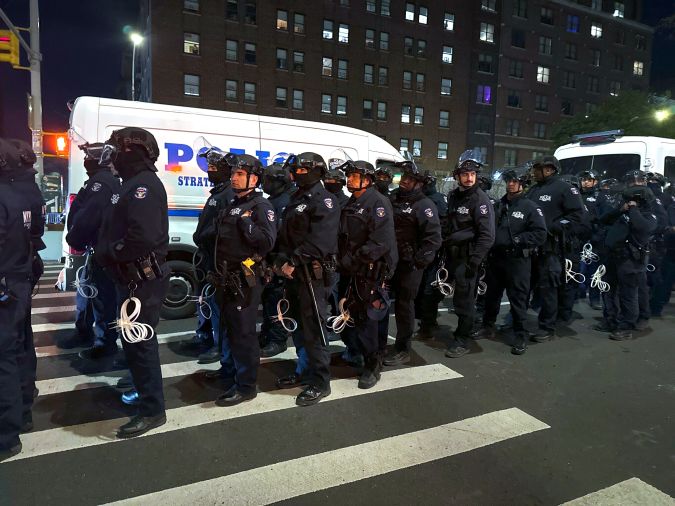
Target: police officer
x=278, y=186
x=418, y=238
x=589, y=195
x=428, y=297
x=564, y=214
x=630, y=226
x=383, y=179
x=246, y=233
x=658, y=249
x=468, y=238
x=306, y=248
x=368, y=255
x=92, y=204
x=219, y=168
x=335, y=182
x=16, y=258
x=661, y=292
x=520, y=229
x=132, y=247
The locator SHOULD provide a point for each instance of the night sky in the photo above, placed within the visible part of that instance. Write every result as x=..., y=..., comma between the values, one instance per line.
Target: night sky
x=82, y=44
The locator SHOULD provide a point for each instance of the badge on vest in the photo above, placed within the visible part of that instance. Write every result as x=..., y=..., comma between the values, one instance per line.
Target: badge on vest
x=270, y=215
x=483, y=209
x=379, y=212
x=115, y=199
x=545, y=198
x=141, y=192
x=96, y=187
x=429, y=213
x=329, y=203
x=462, y=210
x=518, y=214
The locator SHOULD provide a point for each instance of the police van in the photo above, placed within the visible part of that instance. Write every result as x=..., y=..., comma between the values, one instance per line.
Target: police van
x=180, y=134
x=611, y=154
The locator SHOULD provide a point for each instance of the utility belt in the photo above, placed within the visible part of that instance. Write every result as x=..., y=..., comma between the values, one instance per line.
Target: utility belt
x=513, y=252
x=145, y=268
x=630, y=251
x=458, y=251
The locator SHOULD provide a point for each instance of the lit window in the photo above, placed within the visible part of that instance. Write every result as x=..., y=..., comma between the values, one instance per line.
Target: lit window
x=403, y=145
x=488, y=5
x=282, y=20
x=543, y=74
x=408, y=46
x=420, y=82
x=446, y=87
x=327, y=67
x=298, y=23
x=619, y=9
x=382, y=111
x=483, y=94
x=444, y=119
x=327, y=29
x=341, y=106
x=342, y=69
x=250, y=13
x=191, y=85
x=487, y=32
x=343, y=33
x=596, y=30
x=510, y=157
x=368, y=71
x=231, y=47
x=449, y=22
x=249, y=53
x=384, y=41
x=327, y=103
x=282, y=59
x=249, y=93
x=513, y=127
x=370, y=6
x=407, y=80
x=298, y=100
x=405, y=113
x=540, y=130
x=442, y=151
x=447, y=54
x=572, y=23
x=367, y=109
x=298, y=61
x=419, y=115
x=230, y=90
x=232, y=10
x=385, y=7
x=282, y=97
x=417, y=147
x=383, y=76
x=485, y=63
x=638, y=68
x=520, y=8
x=370, y=38
x=541, y=103
x=191, y=5
x=545, y=45
x=191, y=43
x=410, y=12
x=423, y=15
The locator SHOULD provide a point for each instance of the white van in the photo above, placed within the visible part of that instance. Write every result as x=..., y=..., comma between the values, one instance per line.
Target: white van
x=612, y=154
x=177, y=130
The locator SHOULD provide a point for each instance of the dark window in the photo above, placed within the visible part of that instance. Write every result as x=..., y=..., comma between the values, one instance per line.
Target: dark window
x=513, y=99
x=298, y=23
x=231, y=90
x=367, y=109
x=282, y=59
x=383, y=76
x=546, y=16
x=370, y=38
x=408, y=46
x=567, y=108
x=232, y=10
x=368, y=71
x=282, y=97
x=444, y=119
x=421, y=48
x=250, y=13
x=249, y=93
x=298, y=61
x=545, y=45
x=420, y=82
x=407, y=80
x=541, y=103
x=485, y=63
x=513, y=127
x=518, y=38
x=595, y=57
x=231, y=50
x=384, y=41
x=570, y=51
x=520, y=8
x=516, y=69
x=482, y=124
x=593, y=84
x=572, y=23
x=342, y=69
x=620, y=37
x=618, y=62
x=249, y=53
x=569, y=79
x=640, y=42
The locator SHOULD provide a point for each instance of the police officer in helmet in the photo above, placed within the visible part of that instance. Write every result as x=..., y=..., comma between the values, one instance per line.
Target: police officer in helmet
x=418, y=238
x=246, y=231
x=383, y=179
x=335, y=182
x=306, y=249
x=132, y=247
x=469, y=236
x=589, y=194
x=367, y=256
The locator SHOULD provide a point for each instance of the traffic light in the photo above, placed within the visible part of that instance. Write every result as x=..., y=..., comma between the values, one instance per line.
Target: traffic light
x=55, y=144
x=9, y=47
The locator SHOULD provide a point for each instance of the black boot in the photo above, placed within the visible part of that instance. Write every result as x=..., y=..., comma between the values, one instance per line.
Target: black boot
x=371, y=372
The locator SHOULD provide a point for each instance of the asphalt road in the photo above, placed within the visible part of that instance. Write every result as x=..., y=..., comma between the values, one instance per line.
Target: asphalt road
x=576, y=416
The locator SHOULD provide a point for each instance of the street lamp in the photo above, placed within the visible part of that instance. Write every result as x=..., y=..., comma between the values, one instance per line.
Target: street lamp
x=136, y=39
x=662, y=115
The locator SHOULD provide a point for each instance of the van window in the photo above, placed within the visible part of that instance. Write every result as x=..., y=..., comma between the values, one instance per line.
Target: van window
x=606, y=165
x=669, y=167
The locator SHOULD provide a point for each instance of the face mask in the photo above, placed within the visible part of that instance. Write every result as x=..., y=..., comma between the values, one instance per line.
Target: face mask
x=303, y=180
x=334, y=188
x=216, y=177
x=92, y=167
x=382, y=186
x=655, y=187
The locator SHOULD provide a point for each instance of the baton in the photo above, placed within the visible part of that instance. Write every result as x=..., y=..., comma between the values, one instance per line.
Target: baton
x=324, y=341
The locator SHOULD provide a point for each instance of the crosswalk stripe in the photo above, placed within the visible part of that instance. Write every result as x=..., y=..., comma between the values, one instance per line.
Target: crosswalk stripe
x=53, y=309
x=97, y=433
x=49, y=278
x=292, y=478
x=54, y=295
x=50, y=327
x=631, y=491
x=83, y=382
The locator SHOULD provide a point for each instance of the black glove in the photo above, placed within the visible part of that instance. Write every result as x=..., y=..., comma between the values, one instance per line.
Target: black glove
x=472, y=267
x=556, y=228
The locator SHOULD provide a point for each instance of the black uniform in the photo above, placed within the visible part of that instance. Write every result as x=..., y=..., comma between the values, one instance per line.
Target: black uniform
x=657, y=247
x=590, y=199
x=564, y=214
x=520, y=230
x=418, y=238
x=661, y=292
x=16, y=255
x=135, y=227
x=469, y=236
x=308, y=236
x=428, y=297
x=627, y=240
x=90, y=206
x=367, y=255
x=239, y=288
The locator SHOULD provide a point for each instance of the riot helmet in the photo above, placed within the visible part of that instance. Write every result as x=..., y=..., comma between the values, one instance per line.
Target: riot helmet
x=635, y=178
x=92, y=157
x=412, y=178
x=314, y=165
x=362, y=167
x=276, y=179
x=335, y=180
x=219, y=165
x=130, y=150
x=383, y=178
x=9, y=156
x=469, y=161
x=252, y=166
x=485, y=183
x=27, y=156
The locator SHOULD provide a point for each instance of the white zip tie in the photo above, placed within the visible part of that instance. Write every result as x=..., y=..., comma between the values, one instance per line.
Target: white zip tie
x=596, y=279
x=651, y=267
x=131, y=331
x=577, y=277
x=587, y=255
x=447, y=289
x=482, y=285
x=203, y=305
x=340, y=322
x=288, y=323
x=83, y=285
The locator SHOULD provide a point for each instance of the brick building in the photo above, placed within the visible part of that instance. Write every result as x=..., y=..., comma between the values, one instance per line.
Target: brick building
x=429, y=77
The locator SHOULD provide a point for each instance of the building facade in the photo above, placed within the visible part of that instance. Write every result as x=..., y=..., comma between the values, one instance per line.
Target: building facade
x=430, y=77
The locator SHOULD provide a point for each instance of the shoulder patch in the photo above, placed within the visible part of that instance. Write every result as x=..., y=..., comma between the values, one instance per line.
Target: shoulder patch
x=541, y=213
x=380, y=212
x=483, y=209
x=329, y=203
x=574, y=190
x=270, y=215
x=96, y=187
x=141, y=192
x=429, y=213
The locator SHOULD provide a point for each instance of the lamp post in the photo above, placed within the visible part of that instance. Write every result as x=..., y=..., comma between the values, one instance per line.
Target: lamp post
x=136, y=39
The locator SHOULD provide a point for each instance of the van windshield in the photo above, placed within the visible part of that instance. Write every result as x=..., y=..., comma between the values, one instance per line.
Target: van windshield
x=608, y=166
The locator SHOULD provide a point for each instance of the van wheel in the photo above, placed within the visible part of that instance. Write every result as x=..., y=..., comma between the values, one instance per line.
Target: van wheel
x=183, y=285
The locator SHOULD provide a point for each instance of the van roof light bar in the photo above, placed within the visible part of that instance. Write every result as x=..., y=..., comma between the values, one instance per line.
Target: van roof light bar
x=597, y=137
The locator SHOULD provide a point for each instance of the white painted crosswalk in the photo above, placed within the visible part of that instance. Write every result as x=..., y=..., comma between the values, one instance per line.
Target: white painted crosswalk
x=632, y=492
